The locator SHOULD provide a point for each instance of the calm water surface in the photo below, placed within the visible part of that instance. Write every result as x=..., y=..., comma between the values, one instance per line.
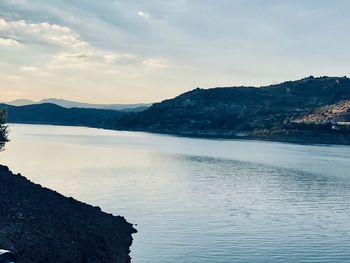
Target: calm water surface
x=197, y=200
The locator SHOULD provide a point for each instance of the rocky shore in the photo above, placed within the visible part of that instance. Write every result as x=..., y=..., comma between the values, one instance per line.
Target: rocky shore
x=40, y=225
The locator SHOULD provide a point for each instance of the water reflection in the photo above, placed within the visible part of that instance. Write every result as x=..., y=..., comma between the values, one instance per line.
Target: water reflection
x=200, y=200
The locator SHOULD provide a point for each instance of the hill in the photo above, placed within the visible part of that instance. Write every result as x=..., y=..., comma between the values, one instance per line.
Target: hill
x=315, y=110
x=21, y=102
x=75, y=104
x=275, y=112
x=53, y=114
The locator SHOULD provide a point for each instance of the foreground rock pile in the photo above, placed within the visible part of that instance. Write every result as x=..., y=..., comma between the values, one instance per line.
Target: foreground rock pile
x=40, y=225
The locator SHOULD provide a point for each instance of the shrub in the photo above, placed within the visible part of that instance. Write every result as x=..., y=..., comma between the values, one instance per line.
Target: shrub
x=3, y=129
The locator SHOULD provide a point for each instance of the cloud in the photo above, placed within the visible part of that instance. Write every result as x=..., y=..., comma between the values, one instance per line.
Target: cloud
x=18, y=2
x=14, y=77
x=64, y=47
x=90, y=58
x=156, y=63
x=42, y=33
x=29, y=69
x=68, y=60
x=9, y=42
x=143, y=14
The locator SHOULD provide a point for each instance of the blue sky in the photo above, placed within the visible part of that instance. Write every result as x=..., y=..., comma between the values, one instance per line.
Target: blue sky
x=115, y=51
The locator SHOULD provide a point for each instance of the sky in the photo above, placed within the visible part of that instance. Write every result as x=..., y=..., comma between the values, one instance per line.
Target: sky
x=128, y=51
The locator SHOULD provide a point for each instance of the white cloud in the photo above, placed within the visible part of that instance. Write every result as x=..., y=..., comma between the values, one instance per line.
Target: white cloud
x=9, y=42
x=14, y=77
x=156, y=63
x=35, y=71
x=66, y=48
x=54, y=58
x=29, y=69
x=90, y=58
x=45, y=33
x=143, y=14
x=68, y=60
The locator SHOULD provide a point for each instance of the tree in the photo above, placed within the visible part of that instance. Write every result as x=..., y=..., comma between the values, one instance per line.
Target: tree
x=3, y=129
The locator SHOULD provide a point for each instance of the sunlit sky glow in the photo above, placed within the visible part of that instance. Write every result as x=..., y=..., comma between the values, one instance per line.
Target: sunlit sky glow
x=128, y=51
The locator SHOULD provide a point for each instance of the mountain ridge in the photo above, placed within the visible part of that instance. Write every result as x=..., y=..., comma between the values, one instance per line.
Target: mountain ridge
x=75, y=104
x=249, y=112
x=309, y=110
x=48, y=113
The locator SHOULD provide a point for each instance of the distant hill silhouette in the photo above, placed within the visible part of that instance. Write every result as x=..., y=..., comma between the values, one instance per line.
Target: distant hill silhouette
x=48, y=113
x=21, y=102
x=75, y=104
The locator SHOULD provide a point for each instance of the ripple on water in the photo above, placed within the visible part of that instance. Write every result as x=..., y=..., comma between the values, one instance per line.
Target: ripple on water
x=196, y=200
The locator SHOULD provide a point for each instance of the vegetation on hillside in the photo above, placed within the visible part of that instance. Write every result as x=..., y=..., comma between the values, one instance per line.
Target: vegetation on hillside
x=306, y=110
x=255, y=112
x=3, y=129
x=49, y=113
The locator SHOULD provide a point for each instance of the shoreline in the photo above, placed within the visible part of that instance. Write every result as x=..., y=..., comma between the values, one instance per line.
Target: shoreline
x=328, y=139
x=303, y=139
x=41, y=225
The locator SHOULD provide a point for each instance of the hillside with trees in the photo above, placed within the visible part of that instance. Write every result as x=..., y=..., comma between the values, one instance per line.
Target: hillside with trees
x=49, y=113
x=315, y=110
x=275, y=112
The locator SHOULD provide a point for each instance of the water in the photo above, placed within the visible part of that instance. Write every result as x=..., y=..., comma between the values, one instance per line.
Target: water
x=197, y=200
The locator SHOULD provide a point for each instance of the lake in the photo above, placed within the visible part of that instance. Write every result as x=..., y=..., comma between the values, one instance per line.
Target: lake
x=198, y=200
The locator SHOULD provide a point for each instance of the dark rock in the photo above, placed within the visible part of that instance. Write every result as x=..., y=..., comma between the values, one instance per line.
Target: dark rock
x=40, y=225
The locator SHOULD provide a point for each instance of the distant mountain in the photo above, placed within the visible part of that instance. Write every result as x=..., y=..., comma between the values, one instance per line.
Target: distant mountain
x=315, y=110
x=48, y=113
x=278, y=112
x=21, y=102
x=74, y=104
